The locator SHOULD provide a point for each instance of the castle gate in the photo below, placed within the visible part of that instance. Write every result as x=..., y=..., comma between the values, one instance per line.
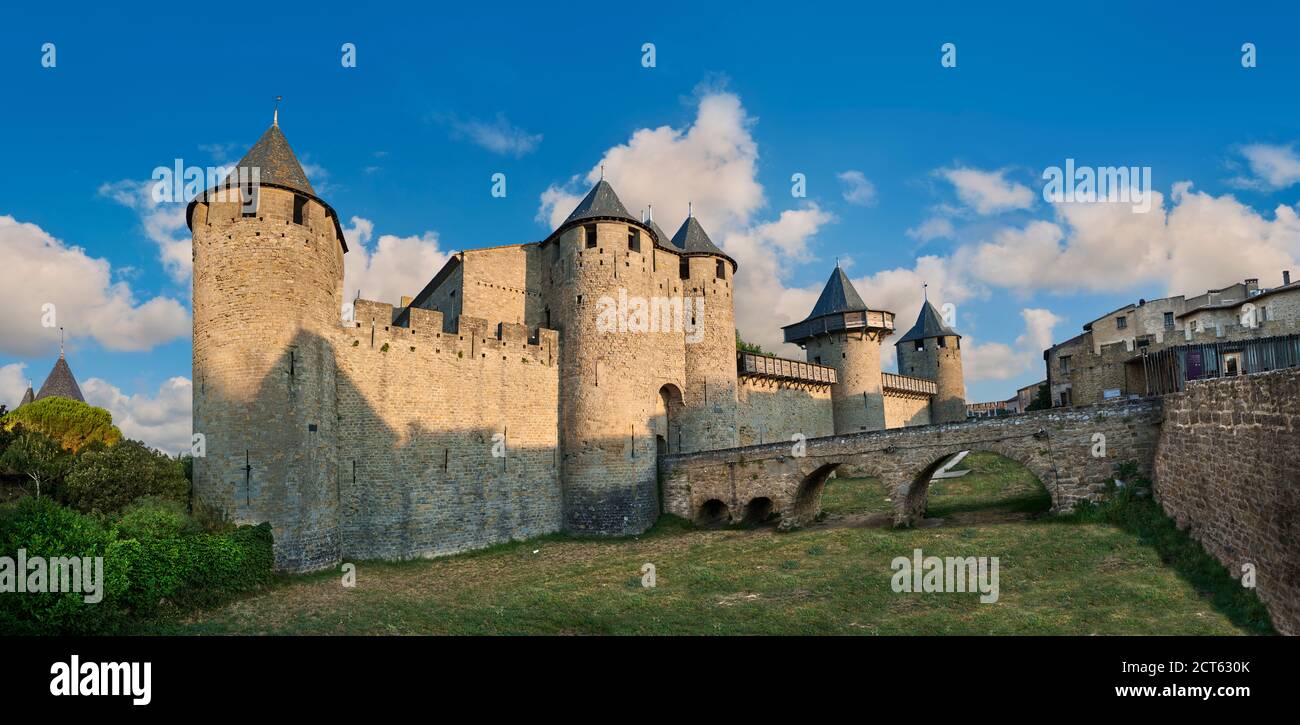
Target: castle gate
x=1073, y=451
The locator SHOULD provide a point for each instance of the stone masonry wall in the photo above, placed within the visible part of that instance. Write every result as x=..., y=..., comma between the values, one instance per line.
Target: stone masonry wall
x=418, y=412
x=1226, y=470
x=905, y=410
x=771, y=410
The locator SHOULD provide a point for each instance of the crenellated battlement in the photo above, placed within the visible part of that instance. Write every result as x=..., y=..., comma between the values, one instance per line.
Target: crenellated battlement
x=426, y=332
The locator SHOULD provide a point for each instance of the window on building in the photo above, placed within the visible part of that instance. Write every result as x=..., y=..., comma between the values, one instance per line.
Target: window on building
x=1169, y=320
x=1066, y=398
x=1121, y=323
x=943, y=342
x=299, y=208
x=633, y=239
x=1065, y=363
x=589, y=233
x=722, y=269
x=249, y=205
x=918, y=345
x=685, y=268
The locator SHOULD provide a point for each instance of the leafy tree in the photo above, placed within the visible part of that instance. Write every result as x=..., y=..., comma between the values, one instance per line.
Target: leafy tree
x=36, y=456
x=71, y=423
x=1042, y=400
x=743, y=346
x=107, y=479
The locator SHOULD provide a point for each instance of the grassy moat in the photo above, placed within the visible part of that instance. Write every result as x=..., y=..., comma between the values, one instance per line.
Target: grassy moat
x=1075, y=576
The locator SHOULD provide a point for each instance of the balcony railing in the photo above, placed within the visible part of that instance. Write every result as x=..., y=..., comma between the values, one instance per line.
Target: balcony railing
x=779, y=368
x=909, y=385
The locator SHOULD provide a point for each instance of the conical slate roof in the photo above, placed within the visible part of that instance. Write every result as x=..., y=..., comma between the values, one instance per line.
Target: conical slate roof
x=275, y=162
x=660, y=235
x=600, y=202
x=27, y=397
x=691, y=238
x=837, y=296
x=928, y=324
x=60, y=383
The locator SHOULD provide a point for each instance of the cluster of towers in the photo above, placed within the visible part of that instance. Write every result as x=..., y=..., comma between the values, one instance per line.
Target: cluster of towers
x=298, y=431
x=843, y=333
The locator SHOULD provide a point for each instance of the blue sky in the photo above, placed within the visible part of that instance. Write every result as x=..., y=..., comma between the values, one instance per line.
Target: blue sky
x=406, y=143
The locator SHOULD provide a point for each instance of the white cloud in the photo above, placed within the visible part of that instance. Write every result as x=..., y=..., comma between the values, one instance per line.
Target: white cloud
x=1198, y=242
x=13, y=383
x=1272, y=167
x=163, y=421
x=999, y=361
x=988, y=192
x=163, y=222
x=41, y=269
x=858, y=190
x=391, y=267
x=498, y=135
x=711, y=164
x=931, y=229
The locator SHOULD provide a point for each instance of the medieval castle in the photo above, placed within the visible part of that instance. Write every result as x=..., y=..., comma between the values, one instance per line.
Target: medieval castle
x=500, y=402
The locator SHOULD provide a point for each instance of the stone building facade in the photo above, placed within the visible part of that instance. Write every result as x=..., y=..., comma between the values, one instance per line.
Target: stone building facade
x=1107, y=361
x=526, y=389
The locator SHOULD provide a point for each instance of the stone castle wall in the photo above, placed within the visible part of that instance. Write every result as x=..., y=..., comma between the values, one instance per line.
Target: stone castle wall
x=1226, y=470
x=770, y=411
x=906, y=410
x=447, y=442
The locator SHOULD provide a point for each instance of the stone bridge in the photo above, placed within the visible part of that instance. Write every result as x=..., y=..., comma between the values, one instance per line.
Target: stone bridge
x=755, y=483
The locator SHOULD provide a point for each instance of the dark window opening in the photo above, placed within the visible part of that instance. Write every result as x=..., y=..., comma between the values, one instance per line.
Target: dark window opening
x=589, y=232
x=943, y=342
x=633, y=239
x=1169, y=320
x=1121, y=323
x=722, y=269
x=685, y=268
x=299, y=209
x=918, y=345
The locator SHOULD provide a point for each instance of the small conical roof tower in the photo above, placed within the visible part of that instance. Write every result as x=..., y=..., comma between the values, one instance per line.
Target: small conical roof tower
x=928, y=324
x=693, y=240
x=600, y=203
x=839, y=307
x=60, y=383
x=661, y=237
x=276, y=166
x=27, y=396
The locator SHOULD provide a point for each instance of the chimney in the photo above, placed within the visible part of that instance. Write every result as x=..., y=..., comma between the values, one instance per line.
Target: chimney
x=1286, y=277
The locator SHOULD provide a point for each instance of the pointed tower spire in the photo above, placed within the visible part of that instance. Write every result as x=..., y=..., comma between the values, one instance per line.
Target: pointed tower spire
x=60, y=343
x=275, y=117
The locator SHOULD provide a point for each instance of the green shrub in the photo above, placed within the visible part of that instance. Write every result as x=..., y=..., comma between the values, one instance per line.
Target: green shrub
x=45, y=529
x=71, y=423
x=107, y=480
x=38, y=458
x=155, y=518
x=162, y=563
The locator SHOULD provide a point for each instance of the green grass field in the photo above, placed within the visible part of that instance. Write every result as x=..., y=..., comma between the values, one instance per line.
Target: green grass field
x=1072, y=576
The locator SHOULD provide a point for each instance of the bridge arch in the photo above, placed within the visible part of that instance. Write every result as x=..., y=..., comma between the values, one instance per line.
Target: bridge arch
x=911, y=493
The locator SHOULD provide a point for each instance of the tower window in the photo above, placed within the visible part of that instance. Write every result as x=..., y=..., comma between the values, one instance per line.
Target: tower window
x=299, y=208
x=249, y=205
x=943, y=342
x=722, y=269
x=685, y=268
x=589, y=232
x=1121, y=323
x=633, y=239
x=918, y=345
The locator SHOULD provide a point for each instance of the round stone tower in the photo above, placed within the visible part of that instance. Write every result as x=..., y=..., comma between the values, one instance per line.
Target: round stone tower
x=932, y=350
x=611, y=365
x=268, y=285
x=707, y=278
x=843, y=333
